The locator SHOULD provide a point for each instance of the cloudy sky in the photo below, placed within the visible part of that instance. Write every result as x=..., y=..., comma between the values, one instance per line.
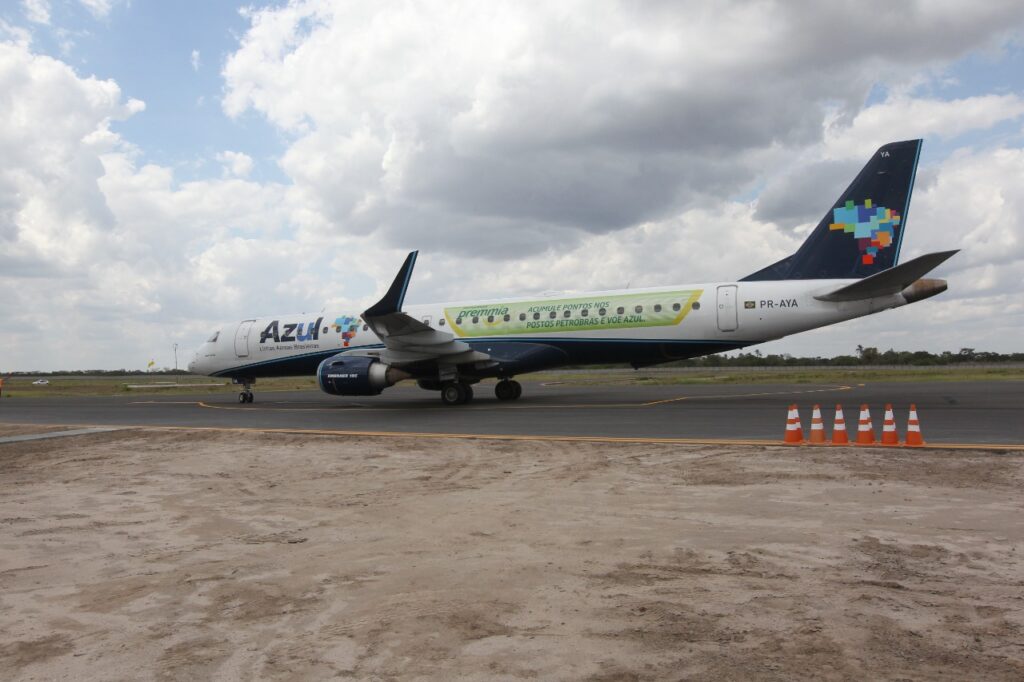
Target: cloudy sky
x=167, y=166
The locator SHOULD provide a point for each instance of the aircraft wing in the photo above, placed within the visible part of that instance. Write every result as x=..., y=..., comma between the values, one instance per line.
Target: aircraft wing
x=408, y=340
x=891, y=281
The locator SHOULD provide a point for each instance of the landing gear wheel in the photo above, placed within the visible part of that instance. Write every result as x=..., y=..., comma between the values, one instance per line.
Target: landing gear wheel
x=456, y=393
x=245, y=397
x=508, y=390
x=452, y=393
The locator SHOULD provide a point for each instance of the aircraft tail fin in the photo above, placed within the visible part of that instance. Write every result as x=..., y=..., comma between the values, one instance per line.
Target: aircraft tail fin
x=862, y=233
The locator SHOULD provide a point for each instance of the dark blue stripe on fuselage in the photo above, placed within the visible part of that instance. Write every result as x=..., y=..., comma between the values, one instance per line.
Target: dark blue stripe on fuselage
x=578, y=351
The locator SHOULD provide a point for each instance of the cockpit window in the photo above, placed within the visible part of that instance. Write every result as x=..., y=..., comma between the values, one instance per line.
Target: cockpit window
x=213, y=339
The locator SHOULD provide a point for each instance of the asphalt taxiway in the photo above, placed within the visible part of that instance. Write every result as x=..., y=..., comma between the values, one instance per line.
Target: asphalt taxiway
x=962, y=412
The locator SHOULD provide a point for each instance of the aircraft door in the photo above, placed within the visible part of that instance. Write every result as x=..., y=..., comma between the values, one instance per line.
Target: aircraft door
x=727, y=313
x=242, y=338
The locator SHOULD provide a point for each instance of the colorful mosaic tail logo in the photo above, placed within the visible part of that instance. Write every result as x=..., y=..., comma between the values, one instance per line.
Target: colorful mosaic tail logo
x=874, y=227
x=347, y=327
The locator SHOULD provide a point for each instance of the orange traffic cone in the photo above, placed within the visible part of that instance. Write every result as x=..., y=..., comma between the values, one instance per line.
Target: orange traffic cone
x=839, y=436
x=913, y=428
x=794, y=434
x=889, y=435
x=817, y=436
x=865, y=432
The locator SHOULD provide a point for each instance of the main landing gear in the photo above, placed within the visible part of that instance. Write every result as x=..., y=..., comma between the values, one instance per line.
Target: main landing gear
x=460, y=392
x=507, y=389
x=456, y=393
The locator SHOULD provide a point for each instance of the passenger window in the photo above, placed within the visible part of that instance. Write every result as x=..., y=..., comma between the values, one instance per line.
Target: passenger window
x=696, y=305
x=657, y=307
x=490, y=318
x=440, y=322
x=522, y=316
x=536, y=316
x=553, y=314
x=567, y=313
x=584, y=312
x=507, y=317
x=620, y=310
x=458, y=320
x=639, y=309
x=602, y=312
x=675, y=307
x=475, y=319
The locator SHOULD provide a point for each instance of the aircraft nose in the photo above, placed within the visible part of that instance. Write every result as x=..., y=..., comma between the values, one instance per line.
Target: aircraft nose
x=193, y=363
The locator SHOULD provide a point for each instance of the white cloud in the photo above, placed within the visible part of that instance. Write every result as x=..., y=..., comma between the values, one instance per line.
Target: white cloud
x=545, y=122
x=36, y=11
x=98, y=8
x=235, y=163
x=16, y=35
x=194, y=60
x=120, y=252
x=526, y=147
x=907, y=117
x=974, y=201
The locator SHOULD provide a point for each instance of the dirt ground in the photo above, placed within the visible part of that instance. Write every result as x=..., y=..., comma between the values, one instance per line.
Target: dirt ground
x=197, y=555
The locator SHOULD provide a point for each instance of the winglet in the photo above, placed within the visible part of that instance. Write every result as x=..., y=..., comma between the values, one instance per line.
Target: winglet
x=392, y=301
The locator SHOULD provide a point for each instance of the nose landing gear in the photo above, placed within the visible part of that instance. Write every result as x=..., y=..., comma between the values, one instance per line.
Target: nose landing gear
x=246, y=396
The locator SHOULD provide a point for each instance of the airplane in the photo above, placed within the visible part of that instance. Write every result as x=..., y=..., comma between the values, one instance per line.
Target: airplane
x=846, y=268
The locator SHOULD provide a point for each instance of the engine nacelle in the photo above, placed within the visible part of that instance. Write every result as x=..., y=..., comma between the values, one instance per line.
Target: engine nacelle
x=356, y=375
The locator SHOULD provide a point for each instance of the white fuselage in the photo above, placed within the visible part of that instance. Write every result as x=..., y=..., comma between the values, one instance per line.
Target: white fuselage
x=706, y=317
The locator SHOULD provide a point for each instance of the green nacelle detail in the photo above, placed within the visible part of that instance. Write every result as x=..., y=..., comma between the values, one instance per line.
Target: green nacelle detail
x=656, y=309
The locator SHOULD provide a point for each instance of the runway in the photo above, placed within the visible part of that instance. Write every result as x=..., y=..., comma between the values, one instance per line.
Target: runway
x=950, y=412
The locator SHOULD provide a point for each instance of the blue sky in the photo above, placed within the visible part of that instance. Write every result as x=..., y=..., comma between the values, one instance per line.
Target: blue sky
x=510, y=142
x=146, y=47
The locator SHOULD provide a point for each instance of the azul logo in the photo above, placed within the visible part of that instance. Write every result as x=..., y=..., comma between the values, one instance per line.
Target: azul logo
x=291, y=331
x=874, y=227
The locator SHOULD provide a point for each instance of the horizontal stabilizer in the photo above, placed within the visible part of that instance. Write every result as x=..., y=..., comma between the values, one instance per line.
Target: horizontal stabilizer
x=891, y=281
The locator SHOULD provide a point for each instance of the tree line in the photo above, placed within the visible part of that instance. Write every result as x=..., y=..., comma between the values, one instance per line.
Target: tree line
x=865, y=356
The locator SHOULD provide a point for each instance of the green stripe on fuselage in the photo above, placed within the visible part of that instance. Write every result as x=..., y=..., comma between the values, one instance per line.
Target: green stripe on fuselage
x=638, y=310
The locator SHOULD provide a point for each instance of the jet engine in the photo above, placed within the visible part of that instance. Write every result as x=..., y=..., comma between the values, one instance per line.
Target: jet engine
x=356, y=375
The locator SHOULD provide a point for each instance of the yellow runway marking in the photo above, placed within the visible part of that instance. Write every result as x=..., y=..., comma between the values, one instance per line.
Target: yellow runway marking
x=748, y=395
x=581, y=439
x=479, y=408
x=999, y=447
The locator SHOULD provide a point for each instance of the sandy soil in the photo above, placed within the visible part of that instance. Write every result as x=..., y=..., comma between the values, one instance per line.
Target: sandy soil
x=192, y=555
x=27, y=429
